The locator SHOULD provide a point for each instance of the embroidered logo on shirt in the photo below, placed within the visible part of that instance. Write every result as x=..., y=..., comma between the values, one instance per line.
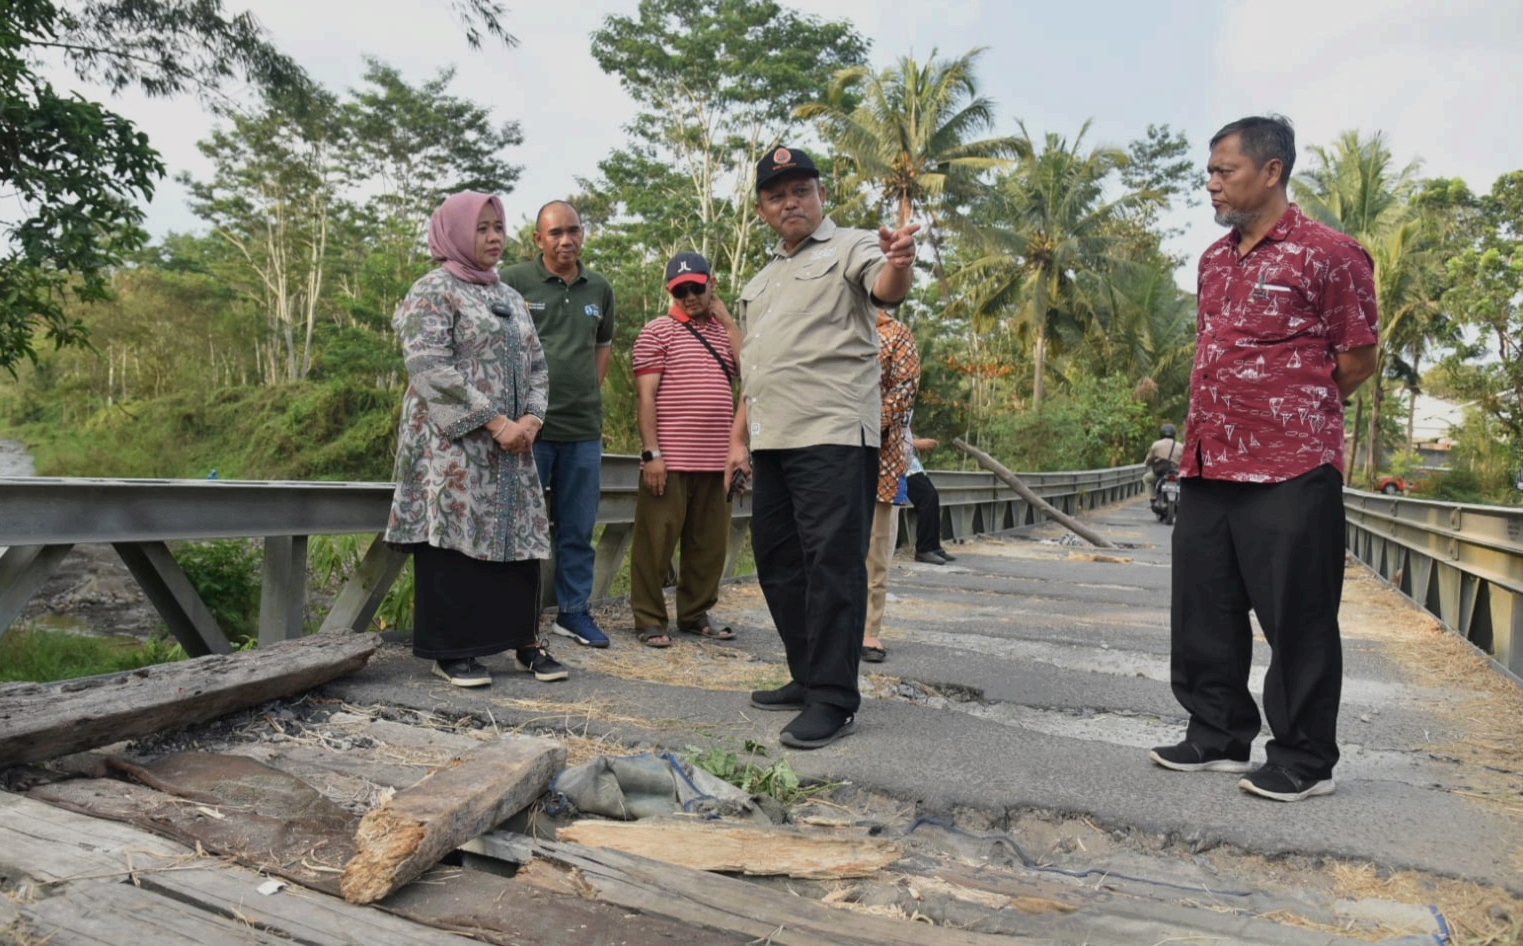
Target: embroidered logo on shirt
x=536, y=306
x=593, y=310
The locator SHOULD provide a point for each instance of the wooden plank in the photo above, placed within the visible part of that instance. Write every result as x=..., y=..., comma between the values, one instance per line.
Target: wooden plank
x=40, y=721
x=305, y=916
x=113, y=914
x=739, y=849
x=409, y=834
x=736, y=906
x=51, y=845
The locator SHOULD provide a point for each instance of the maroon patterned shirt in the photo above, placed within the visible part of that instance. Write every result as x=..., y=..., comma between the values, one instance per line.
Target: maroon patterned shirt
x=1263, y=405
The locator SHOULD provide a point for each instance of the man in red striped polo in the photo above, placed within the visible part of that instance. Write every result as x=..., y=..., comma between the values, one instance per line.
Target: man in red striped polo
x=684, y=364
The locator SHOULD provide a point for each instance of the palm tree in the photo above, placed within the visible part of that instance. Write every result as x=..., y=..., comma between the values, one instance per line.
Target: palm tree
x=1143, y=330
x=1354, y=187
x=1038, y=230
x=906, y=131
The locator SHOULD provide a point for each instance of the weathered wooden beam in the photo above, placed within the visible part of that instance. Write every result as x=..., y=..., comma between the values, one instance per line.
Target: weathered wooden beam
x=23, y=571
x=362, y=595
x=1011, y=480
x=470, y=796
x=283, y=593
x=760, y=913
x=739, y=849
x=165, y=584
x=43, y=720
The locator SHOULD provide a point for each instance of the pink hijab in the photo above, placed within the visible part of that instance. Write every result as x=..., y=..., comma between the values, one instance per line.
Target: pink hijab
x=452, y=235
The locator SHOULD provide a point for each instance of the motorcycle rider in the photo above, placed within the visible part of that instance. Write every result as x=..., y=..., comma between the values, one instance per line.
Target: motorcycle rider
x=1166, y=448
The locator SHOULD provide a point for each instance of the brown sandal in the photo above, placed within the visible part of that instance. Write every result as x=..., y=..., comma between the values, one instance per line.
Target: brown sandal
x=653, y=636
x=706, y=629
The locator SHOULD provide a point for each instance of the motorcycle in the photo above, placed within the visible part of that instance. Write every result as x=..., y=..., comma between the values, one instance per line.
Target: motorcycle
x=1165, y=501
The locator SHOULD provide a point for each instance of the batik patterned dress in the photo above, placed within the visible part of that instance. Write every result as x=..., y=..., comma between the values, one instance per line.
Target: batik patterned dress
x=471, y=354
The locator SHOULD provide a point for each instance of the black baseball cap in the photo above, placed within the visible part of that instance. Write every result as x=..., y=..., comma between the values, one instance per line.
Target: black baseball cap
x=781, y=161
x=687, y=266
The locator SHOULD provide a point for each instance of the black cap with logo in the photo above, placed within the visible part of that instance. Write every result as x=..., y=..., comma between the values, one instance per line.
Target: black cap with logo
x=782, y=161
x=687, y=266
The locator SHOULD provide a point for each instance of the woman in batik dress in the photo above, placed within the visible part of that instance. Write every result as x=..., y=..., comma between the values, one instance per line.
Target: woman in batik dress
x=468, y=503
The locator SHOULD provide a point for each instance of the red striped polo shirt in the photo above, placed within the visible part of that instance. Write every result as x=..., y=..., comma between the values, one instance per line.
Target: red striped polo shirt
x=694, y=403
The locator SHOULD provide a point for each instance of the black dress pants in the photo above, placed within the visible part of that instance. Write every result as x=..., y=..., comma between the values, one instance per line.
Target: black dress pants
x=927, y=503
x=1277, y=548
x=811, y=520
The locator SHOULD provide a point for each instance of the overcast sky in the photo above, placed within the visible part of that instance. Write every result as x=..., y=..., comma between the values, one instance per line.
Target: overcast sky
x=1442, y=78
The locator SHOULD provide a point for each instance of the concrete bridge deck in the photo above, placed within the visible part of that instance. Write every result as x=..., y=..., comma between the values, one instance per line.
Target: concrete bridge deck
x=1022, y=689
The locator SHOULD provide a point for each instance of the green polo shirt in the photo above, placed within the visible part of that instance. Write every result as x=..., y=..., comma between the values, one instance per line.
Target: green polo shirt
x=573, y=322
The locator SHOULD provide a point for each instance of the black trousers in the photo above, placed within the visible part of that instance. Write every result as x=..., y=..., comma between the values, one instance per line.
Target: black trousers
x=811, y=521
x=1276, y=548
x=927, y=503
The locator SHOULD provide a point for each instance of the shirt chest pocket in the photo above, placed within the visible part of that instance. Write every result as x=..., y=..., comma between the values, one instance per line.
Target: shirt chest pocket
x=815, y=288
x=1277, y=305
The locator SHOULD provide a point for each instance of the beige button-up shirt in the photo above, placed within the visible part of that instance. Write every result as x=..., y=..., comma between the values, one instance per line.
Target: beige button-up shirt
x=809, y=362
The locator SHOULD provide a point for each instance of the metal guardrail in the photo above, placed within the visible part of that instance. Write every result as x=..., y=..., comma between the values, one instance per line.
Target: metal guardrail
x=1462, y=563
x=42, y=518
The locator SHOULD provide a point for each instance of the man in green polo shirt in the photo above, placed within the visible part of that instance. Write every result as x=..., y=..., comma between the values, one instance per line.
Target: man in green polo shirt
x=572, y=308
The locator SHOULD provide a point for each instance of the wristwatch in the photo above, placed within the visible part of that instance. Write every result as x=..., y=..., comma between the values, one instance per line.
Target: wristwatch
x=648, y=455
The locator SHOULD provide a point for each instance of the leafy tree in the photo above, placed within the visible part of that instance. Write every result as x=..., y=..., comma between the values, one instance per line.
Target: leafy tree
x=906, y=130
x=77, y=169
x=717, y=83
x=272, y=196
x=412, y=146
x=1356, y=188
x=1486, y=295
x=1041, y=226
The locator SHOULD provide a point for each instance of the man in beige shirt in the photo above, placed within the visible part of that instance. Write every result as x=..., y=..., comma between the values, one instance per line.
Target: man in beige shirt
x=808, y=430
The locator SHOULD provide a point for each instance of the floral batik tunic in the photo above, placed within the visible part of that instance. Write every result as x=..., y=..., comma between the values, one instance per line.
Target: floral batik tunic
x=471, y=354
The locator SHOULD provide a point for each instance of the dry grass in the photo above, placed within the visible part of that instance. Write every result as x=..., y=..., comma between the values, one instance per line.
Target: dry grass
x=1433, y=656
x=1480, y=915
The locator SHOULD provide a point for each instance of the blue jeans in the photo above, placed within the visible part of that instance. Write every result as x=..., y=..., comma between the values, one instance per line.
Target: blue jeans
x=571, y=471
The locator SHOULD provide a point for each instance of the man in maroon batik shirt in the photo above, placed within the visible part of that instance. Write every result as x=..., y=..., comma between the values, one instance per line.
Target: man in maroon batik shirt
x=1284, y=333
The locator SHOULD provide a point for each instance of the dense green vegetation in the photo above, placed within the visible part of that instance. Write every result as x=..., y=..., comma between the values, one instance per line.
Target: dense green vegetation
x=1052, y=329
x=41, y=655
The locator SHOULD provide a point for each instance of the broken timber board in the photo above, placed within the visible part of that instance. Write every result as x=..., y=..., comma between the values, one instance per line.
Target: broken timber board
x=51, y=845
x=737, y=906
x=41, y=721
x=406, y=836
x=303, y=916
x=739, y=849
x=110, y=914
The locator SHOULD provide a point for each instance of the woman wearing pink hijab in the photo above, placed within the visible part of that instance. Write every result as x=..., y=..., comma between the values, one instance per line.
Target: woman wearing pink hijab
x=468, y=502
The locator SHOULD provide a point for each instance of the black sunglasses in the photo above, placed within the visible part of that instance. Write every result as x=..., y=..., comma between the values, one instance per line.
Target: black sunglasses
x=689, y=289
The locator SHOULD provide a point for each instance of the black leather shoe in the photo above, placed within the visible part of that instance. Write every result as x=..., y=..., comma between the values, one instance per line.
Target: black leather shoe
x=946, y=555
x=818, y=725
x=789, y=697
x=931, y=558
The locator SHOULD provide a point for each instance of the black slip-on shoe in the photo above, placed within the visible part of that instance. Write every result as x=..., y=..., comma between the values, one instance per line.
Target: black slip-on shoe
x=1190, y=756
x=946, y=555
x=463, y=673
x=818, y=725
x=931, y=558
x=790, y=697
x=1271, y=780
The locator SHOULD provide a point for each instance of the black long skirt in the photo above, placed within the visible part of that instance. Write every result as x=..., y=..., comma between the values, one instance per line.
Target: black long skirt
x=465, y=607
